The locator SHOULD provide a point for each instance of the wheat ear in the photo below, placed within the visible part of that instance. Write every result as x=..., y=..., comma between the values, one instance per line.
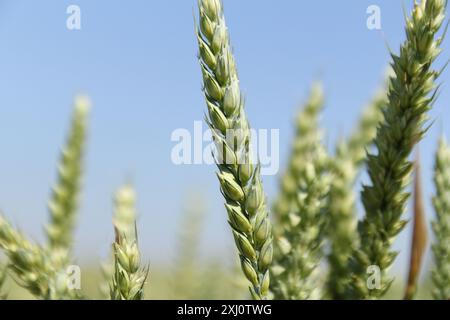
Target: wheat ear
x=128, y=277
x=299, y=245
x=240, y=182
x=124, y=218
x=411, y=93
x=27, y=261
x=306, y=136
x=345, y=165
x=441, y=226
x=63, y=204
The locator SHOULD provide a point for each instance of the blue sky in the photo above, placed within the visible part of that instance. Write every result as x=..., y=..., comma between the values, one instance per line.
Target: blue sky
x=137, y=61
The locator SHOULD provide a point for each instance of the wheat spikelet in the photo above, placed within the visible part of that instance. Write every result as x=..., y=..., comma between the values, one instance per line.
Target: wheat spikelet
x=240, y=182
x=411, y=94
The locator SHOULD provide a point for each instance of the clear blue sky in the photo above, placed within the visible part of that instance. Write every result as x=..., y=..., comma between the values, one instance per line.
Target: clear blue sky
x=137, y=61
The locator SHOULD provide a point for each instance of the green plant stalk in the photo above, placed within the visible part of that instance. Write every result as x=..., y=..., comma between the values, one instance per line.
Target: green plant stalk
x=306, y=137
x=441, y=225
x=240, y=182
x=345, y=165
x=411, y=93
x=63, y=204
x=128, y=277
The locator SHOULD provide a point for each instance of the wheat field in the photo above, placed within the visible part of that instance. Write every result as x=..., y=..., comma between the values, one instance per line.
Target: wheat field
x=354, y=214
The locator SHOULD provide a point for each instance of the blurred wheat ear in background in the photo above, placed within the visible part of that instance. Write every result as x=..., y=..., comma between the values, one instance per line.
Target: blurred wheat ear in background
x=63, y=205
x=441, y=226
x=350, y=156
x=300, y=209
x=128, y=277
x=42, y=269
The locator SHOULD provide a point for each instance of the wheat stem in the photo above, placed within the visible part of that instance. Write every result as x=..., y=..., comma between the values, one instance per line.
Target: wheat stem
x=409, y=99
x=240, y=182
x=441, y=226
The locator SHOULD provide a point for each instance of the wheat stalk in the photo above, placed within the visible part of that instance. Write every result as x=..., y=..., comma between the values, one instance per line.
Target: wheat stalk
x=63, y=204
x=441, y=226
x=345, y=165
x=389, y=169
x=299, y=244
x=128, y=277
x=240, y=182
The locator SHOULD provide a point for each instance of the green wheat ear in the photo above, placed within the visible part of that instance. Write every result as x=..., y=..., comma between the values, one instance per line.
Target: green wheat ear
x=302, y=216
x=306, y=137
x=441, y=226
x=27, y=261
x=124, y=219
x=128, y=277
x=63, y=204
x=345, y=165
x=42, y=270
x=412, y=91
x=240, y=182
